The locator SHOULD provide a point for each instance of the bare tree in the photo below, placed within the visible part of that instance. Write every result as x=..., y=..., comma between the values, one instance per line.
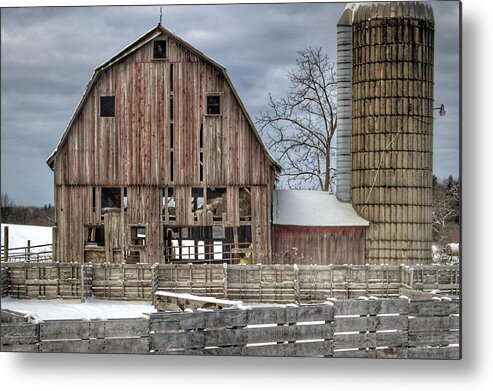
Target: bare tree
x=7, y=205
x=446, y=207
x=442, y=212
x=299, y=127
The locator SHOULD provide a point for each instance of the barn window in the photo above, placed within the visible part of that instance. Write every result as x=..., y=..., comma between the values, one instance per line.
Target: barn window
x=213, y=104
x=111, y=197
x=171, y=77
x=201, y=136
x=171, y=108
x=218, y=232
x=159, y=51
x=94, y=199
x=201, y=153
x=201, y=166
x=169, y=205
x=171, y=165
x=245, y=234
x=107, y=106
x=217, y=203
x=94, y=235
x=197, y=203
x=245, y=204
x=138, y=236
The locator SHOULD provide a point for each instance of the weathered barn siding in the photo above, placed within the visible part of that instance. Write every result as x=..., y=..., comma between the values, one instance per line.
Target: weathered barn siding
x=133, y=150
x=126, y=149
x=319, y=245
x=314, y=227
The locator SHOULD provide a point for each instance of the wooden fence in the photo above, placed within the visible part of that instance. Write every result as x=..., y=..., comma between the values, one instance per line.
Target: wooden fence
x=39, y=253
x=122, y=282
x=260, y=331
x=302, y=284
x=4, y=281
x=250, y=283
x=280, y=283
x=427, y=278
x=78, y=336
x=386, y=328
x=47, y=280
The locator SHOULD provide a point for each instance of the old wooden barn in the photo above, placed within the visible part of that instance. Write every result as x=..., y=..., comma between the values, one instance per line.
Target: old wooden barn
x=161, y=162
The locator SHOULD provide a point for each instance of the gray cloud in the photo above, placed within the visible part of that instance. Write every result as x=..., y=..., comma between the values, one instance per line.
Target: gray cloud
x=49, y=54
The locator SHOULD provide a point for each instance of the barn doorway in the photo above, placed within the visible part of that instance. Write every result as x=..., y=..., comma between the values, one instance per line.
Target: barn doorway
x=206, y=244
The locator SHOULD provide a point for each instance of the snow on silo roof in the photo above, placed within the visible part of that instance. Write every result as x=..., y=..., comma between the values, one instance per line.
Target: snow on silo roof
x=313, y=209
x=358, y=12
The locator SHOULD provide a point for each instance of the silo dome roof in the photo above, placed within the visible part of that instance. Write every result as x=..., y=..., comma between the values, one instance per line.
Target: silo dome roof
x=360, y=12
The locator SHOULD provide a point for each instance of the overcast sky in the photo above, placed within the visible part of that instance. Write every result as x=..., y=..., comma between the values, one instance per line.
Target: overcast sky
x=48, y=55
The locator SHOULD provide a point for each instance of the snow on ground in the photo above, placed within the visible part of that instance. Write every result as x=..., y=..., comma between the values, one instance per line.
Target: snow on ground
x=20, y=234
x=74, y=309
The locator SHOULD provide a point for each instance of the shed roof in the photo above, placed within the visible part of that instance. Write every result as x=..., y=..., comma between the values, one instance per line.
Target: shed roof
x=313, y=209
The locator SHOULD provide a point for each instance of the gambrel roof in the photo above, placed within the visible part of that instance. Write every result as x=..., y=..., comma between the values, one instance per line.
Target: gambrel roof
x=140, y=42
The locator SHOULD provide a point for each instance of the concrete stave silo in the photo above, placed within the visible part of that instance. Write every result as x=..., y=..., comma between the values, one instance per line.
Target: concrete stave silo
x=392, y=127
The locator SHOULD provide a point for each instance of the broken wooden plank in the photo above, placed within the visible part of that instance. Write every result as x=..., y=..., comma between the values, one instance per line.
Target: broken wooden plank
x=169, y=301
x=305, y=349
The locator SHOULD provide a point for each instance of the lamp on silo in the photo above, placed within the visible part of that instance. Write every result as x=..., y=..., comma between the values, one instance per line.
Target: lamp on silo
x=441, y=109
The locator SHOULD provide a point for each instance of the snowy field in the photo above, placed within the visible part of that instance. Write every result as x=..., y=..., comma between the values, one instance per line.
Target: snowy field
x=20, y=234
x=74, y=309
